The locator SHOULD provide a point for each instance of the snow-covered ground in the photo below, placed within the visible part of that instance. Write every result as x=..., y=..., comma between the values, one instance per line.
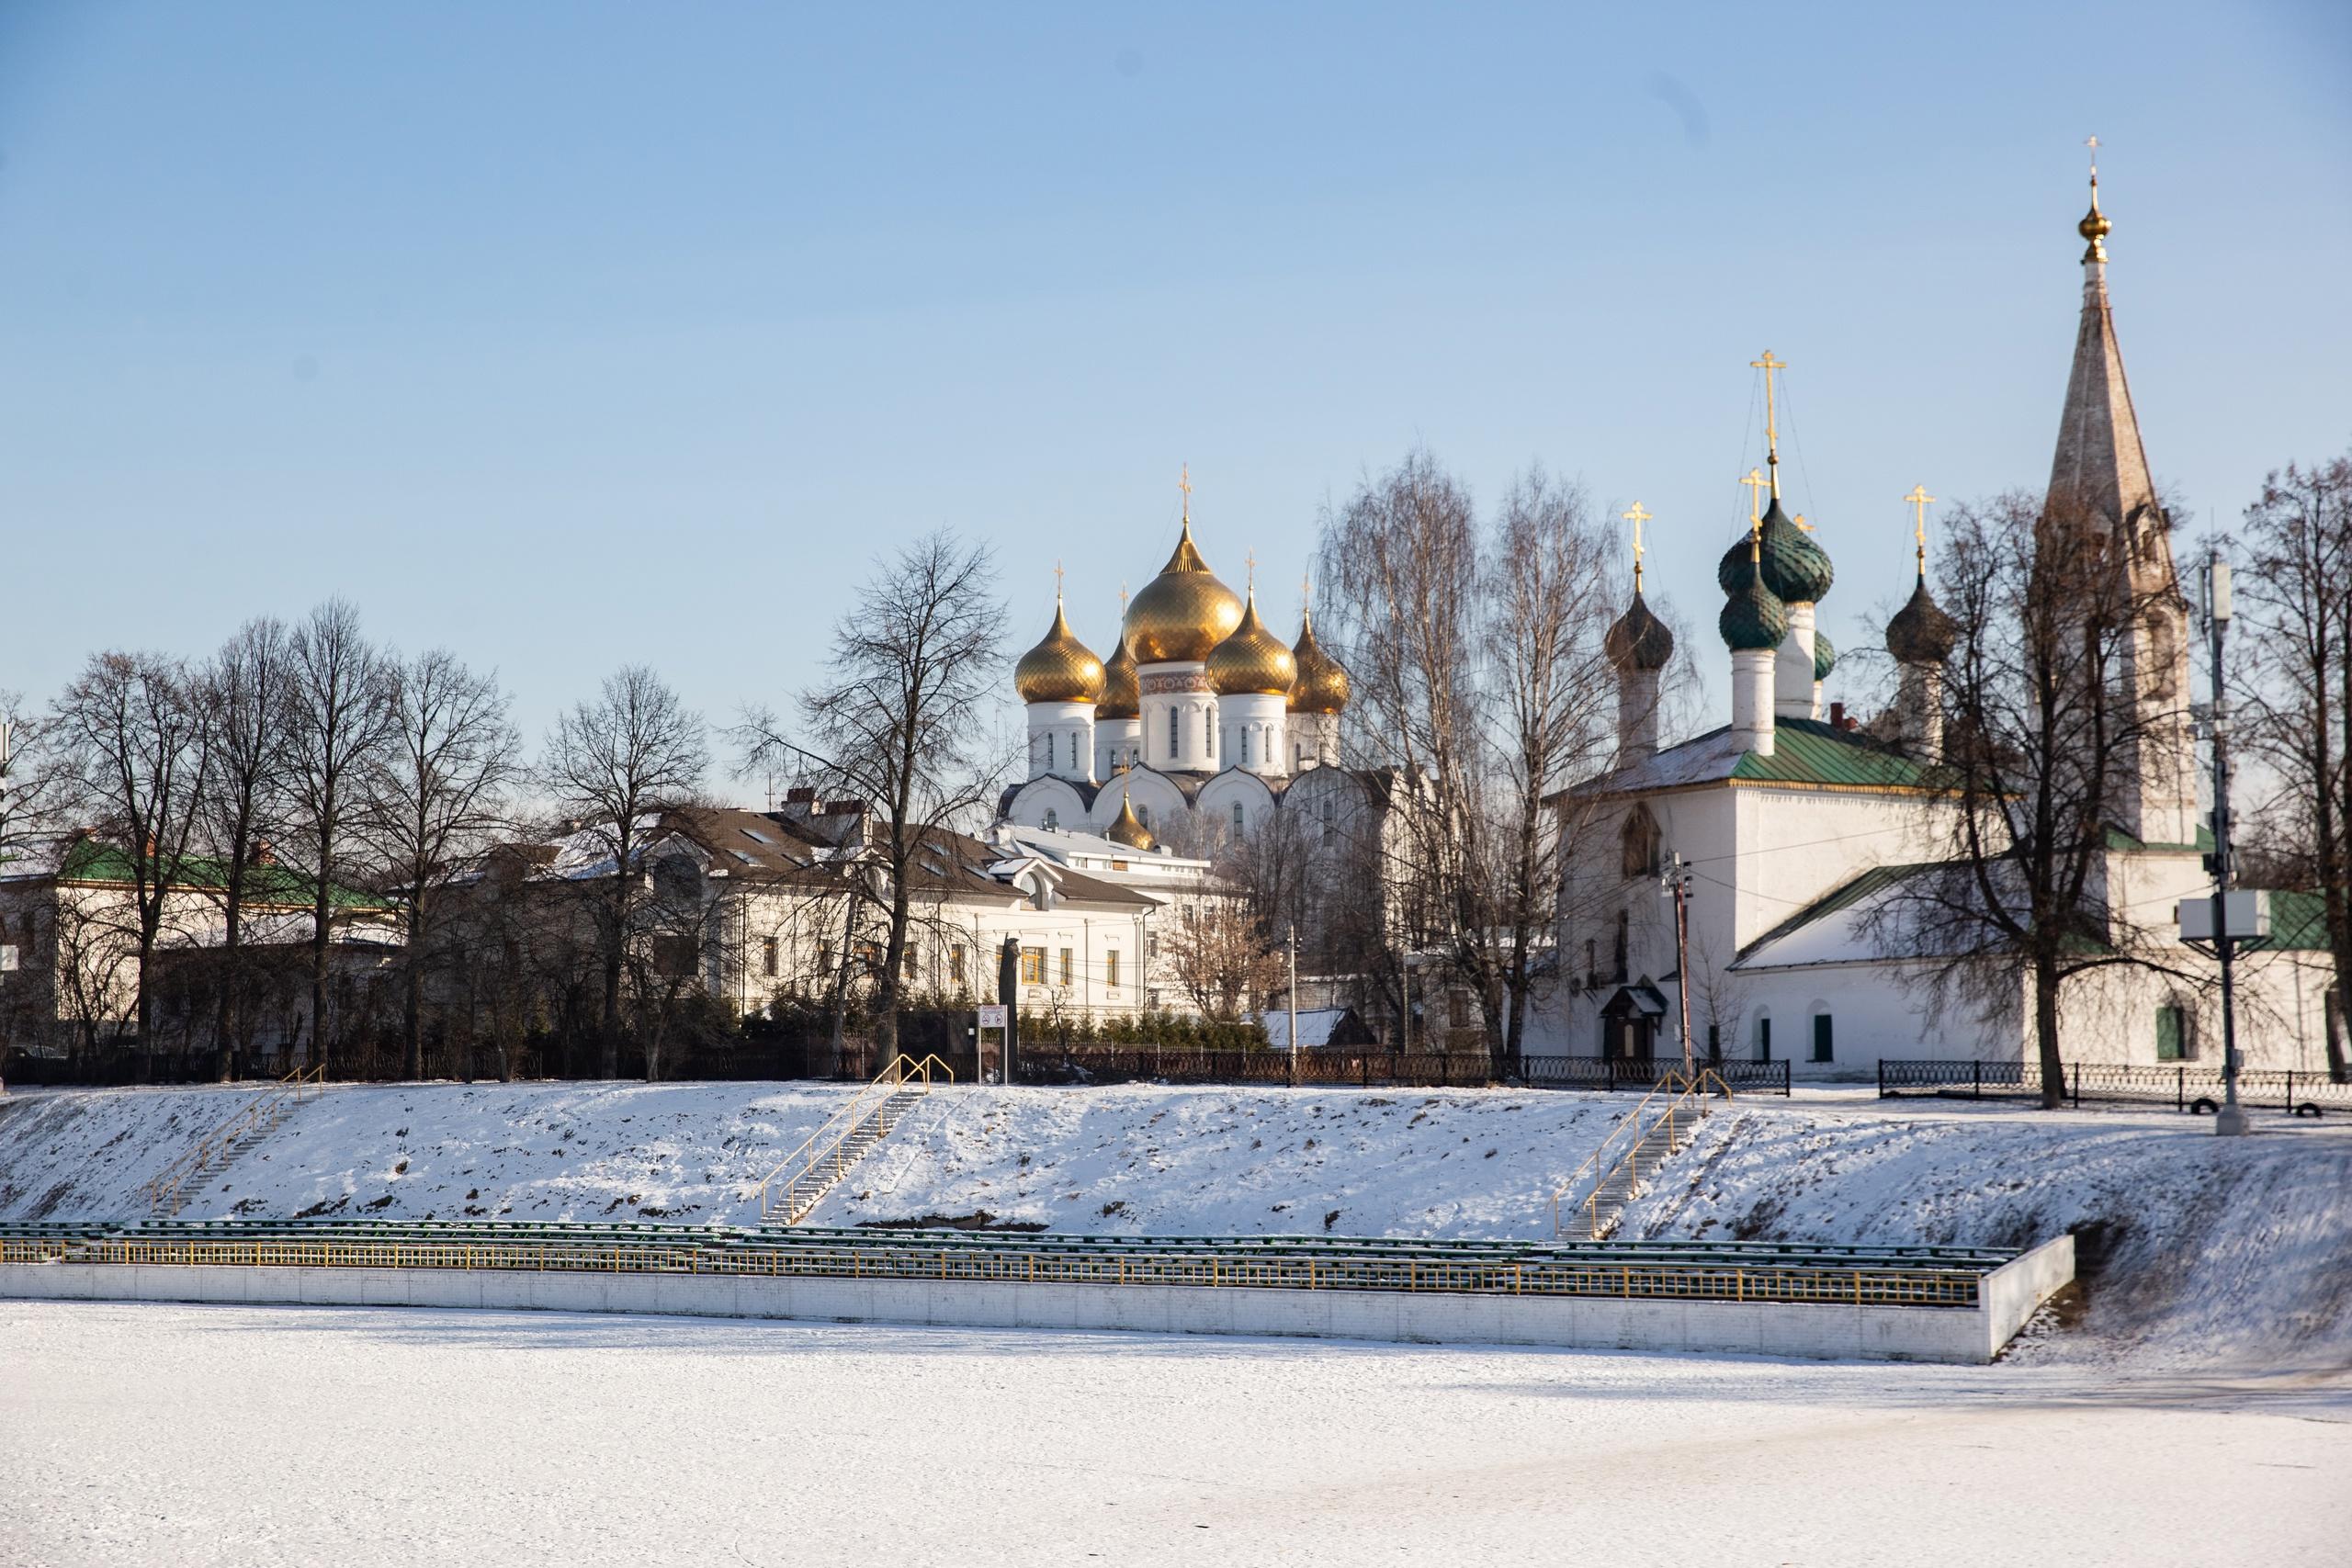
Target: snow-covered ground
x=258, y=1436
x=1129, y=1160
x=2196, y=1251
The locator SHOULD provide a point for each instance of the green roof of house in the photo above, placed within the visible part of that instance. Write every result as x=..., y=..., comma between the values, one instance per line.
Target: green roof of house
x=1811, y=751
x=87, y=859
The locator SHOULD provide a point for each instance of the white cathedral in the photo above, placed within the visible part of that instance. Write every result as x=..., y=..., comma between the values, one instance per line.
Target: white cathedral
x=1797, y=823
x=1202, y=722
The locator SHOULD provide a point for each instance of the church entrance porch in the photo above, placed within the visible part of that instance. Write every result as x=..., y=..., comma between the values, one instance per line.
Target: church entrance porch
x=1629, y=1022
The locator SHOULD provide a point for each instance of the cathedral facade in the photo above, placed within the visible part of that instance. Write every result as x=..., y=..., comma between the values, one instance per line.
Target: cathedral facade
x=1200, y=726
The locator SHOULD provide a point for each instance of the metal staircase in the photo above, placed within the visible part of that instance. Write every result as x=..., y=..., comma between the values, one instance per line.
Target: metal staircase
x=796, y=1186
x=1591, y=1203
x=219, y=1149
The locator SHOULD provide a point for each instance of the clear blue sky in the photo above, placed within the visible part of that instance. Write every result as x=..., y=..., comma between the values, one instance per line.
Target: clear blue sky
x=575, y=335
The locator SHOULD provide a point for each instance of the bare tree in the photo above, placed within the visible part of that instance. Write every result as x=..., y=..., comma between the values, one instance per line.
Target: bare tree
x=245, y=690
x=616, y=764
x=901, y=724
x=337, y=721
x=2297, y=623
x=142, y=747
x=1222, y=958
x=2042, y=725
x=1482, y=687
x=433, y=795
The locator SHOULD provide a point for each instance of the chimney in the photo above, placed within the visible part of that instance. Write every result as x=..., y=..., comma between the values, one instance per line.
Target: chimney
x=1838, y=715
x=262, y=854
x=804, y=795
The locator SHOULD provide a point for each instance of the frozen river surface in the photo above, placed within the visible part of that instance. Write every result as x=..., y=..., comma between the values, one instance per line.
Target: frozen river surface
x=145, y=1434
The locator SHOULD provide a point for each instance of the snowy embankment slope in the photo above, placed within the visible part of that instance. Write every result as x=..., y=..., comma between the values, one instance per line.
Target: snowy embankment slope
x=1127, y=1160
x=2193, y=1249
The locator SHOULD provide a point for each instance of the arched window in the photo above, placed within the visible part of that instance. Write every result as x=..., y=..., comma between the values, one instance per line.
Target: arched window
x=1236, y=817
x=1053, y=819
x=1640, y=843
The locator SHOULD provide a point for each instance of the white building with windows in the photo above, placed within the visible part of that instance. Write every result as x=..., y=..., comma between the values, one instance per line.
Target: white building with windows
x=1796, y=823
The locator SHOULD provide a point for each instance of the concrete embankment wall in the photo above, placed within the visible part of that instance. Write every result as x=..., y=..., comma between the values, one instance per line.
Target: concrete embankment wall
x=1832, y=1333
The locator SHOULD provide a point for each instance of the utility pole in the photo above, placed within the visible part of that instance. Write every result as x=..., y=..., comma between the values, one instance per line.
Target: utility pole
x=1676, y=884
x=1294, y=1003
x=2232, y=1122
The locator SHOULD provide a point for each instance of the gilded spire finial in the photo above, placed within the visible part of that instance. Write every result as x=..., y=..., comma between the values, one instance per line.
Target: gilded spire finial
x=1637, y=517
x=1184, y=483
x=1771, y=423
x=1919, y=500
x=1057, y=585
x=2094, y=226
x=1249, y=566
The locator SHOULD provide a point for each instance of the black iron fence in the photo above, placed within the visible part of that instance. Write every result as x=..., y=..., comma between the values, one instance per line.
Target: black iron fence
x=2184, y=1086
x=1648, y=1072
x=1037, y=1062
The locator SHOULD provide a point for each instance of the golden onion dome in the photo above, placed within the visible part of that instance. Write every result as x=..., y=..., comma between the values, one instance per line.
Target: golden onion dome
x=1183, y=613
x=1059, y=670
x=2095, y=227
x=1252, y=660
x=1122, y=695
x=1322, y=685
x=1126, y=830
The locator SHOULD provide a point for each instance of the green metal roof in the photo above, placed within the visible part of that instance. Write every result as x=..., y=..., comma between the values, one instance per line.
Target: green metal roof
x=89, y=860
x=2298, y=922
x=1869, y=884
x=1810, y=751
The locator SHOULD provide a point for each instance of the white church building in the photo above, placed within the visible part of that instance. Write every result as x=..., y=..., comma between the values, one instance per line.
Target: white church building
x=1795, y=823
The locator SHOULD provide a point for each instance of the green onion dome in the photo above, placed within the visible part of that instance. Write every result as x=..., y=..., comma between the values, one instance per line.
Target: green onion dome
x=1754, y=618
x=1920, y=632
x=1638, y=640
x=1825, y=655
x=1796, y=570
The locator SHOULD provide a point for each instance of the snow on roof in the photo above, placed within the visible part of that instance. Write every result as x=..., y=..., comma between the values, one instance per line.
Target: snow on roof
x=1314, y=1027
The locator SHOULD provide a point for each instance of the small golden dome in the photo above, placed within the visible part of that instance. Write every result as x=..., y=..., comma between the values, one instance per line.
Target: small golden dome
x=2095, y=227
x=1252, y=660
x=1059, y=670
x=1127, y=829
x=1322, y=685
x=1183, y=613
x=1122, y=695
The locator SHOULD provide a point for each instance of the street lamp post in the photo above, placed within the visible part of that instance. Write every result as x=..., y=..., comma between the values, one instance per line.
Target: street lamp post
x=1675, y=884
x=2232, y=1122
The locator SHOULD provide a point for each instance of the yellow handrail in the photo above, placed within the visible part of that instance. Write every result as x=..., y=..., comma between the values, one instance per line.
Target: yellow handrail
x=164, y=1188
x=1683, y=1089
x=841, y=1125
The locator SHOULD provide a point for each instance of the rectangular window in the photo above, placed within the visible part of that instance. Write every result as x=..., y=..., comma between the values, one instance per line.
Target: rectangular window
x=1821, y=1048
x=1457, y=1010
x=2169, y=1035
x=1033, y=965
x=956, y=964
x=1331, y=830
x=1763, y=1039
x=768, y=957
x=1110, y=969
x=1067, y=969
x=1172, y=735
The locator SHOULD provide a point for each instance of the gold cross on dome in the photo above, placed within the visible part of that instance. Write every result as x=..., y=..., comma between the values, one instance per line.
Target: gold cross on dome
x=1638, y=515
x=1754, y=481
x=1184, y=483
x=1057, y=582
x=2092, y=142
x=1918, y=498
x=1249, y=561
x=1122, y=601
x=1800, y=522
x=1771, y=417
